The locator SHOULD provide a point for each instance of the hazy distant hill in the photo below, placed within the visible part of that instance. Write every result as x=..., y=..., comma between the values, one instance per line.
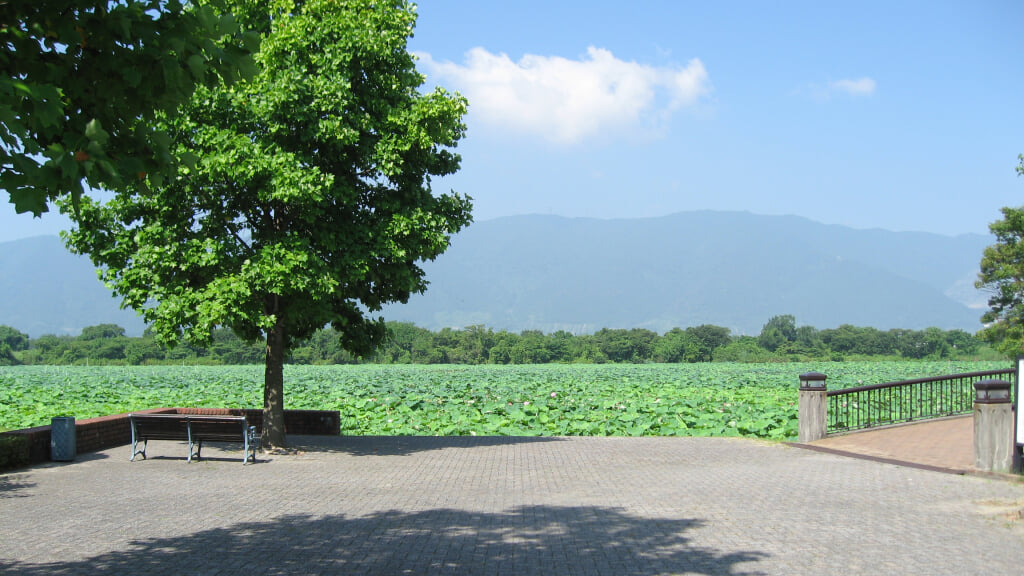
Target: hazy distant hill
x=549, y=273
x=44, y=289
x=727, y=268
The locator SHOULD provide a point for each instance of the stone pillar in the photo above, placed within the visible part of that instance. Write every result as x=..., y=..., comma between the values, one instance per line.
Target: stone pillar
x=993, y=426
x=1018, y=452
x=813, y=407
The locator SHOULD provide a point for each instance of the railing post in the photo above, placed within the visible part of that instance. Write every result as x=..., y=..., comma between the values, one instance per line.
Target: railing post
x=813, y=407
x=993, y=426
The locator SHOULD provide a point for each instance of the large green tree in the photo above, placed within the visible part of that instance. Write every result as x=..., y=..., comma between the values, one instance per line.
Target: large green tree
x=1002, y=275
x=308, y=200
x=13, y=338
x=83, y=79
x=778, y=331
x=706, y=338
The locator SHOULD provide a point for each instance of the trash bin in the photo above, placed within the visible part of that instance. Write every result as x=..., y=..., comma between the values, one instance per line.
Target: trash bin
x=62, y=438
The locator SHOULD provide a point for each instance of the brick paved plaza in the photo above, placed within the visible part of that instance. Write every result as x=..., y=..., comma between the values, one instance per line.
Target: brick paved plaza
x=616, y=506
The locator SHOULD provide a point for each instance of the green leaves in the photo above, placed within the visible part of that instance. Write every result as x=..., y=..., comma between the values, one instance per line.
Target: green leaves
x=307, y=186
x=561, y=400
x=1002, y=275
x=304, y=198
x=85, y=80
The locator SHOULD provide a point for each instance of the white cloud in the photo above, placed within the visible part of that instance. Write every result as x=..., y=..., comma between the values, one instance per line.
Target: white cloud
x=860, y=86
x=566, y=101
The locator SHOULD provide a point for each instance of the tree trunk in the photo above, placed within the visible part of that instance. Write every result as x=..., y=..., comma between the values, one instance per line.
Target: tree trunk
x=273, y=389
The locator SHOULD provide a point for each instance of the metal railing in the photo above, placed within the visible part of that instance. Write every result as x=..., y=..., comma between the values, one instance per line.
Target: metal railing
x=906, y=401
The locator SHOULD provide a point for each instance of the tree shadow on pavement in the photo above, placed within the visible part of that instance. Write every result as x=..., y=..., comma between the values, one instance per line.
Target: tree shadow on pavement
x=523, y=541
x=403, y=445
x=12, y=487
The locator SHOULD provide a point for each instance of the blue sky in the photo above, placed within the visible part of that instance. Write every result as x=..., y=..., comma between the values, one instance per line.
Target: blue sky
x=895, y=115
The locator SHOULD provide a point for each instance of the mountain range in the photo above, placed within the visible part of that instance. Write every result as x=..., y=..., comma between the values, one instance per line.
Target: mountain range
x=550, y=273
x=732, y=269
x=45, y=289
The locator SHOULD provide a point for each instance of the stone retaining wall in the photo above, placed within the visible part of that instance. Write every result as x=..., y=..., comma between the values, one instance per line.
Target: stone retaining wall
x=94, y=434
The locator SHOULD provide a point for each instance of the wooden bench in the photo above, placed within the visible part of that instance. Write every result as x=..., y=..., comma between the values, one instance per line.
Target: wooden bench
x=194, y=429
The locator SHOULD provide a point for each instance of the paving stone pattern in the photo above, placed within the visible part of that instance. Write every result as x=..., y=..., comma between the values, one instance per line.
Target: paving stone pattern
x=946, y=443
x=523, y=506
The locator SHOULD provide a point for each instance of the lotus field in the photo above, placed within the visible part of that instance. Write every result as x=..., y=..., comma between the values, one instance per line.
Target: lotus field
x=754, y=400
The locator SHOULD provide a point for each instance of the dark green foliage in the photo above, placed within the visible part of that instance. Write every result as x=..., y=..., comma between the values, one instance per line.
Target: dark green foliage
x=142, y=350
x=11, y=341
x=7, y=357
x=779, y=331
x=14, y=339
x=13, y=451
x=743, y=349
x=226, y=346
x=674, y=346
x=1002, y=276
x=101, y=331
x=634, y=345
x=962, y=342
x=912, y=344
x=409, y=344
x=83, y=79
x=706, y=338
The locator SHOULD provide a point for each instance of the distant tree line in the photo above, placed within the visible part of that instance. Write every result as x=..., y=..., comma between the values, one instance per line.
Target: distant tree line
x=780, y=340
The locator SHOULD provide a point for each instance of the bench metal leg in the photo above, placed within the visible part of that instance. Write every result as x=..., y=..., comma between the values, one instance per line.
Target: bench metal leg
x=136, y=451
x=135, y=444
x=252, y=442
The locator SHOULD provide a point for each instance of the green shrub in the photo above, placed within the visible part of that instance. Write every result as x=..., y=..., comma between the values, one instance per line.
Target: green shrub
x=7, y=357
x=13, y=451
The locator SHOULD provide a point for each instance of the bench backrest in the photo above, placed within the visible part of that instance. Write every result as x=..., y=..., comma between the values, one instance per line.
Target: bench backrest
x=176, y=427
x=218, y=427
x=159, y=426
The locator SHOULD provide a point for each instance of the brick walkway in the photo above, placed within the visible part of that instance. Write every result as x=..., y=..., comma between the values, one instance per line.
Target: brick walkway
x=947, y=444
x=616, y=506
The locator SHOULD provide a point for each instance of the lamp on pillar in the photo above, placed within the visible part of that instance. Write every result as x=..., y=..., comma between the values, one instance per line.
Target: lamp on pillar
x=814, y=381
x=813, y=407
x=992, y=392
x=993, y=426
